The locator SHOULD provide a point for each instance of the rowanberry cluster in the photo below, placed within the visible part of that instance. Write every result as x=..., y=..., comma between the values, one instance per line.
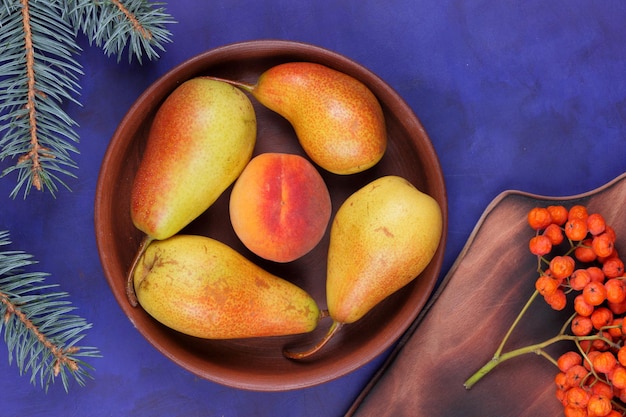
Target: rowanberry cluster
x=578, y=260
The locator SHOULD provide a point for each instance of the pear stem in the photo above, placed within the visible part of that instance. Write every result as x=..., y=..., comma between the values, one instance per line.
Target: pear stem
x=334, y=328
x=130, y=287
x=244, y=86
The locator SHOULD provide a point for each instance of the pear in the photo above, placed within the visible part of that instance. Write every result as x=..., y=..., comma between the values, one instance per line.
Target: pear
x=382, y=237
x=204, y=288
x=200, y=140
x=337, y=119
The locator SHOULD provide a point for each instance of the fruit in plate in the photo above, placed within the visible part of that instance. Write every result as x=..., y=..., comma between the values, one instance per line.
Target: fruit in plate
x=200, y=140
x=280, y=206
x=337, y=119
x=382, y=237
x=204, y=288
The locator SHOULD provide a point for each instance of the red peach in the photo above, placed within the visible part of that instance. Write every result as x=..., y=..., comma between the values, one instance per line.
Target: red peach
x=280, y=206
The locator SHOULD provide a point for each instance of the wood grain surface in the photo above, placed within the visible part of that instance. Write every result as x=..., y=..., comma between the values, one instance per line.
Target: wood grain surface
x=469, y=314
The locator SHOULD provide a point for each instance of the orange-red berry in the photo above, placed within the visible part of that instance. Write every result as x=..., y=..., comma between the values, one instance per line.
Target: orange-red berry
x=613, y=267
x=577, y=397
x=594, y=293
x=591, y=354
x=599, y=406
x=611, y=232
x=576, y=375
x=604, y=362
x=571, y=411
x=561, y=381
x=615, y=290
x=596, y=274
x=584, y=252
x=601, y=317
x=579, y=279
x=569, y=359
x=618, y=377
x=576, y=229
x=618, y=308
x=539, y=218
x=581, y=325
x=615, y=329
x=558, y=214
x=602, y=245
x=554, y=233
x=539, y=245
x=578, y=212
x=621, y=355
x=582, y=307
x=561, y=396
x=557, y=300
x=562, y=266
x=603, y=259
x=596, y=224
x=600, y=387
x=546, y=285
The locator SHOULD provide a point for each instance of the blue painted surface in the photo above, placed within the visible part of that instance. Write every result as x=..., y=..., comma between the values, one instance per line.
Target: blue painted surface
x=515, y=95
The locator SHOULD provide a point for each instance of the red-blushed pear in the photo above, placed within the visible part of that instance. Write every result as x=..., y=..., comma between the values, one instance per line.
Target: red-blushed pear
x=200, y=140
x=337, y=119
x=382, y=237
x=204, y=288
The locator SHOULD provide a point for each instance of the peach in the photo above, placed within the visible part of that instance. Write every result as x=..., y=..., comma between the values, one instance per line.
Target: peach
x=280, y=206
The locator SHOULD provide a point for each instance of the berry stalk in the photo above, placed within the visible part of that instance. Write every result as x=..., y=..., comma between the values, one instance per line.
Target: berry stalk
x=537, y=348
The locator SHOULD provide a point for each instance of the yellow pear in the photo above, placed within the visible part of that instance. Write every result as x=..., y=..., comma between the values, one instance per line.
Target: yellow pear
x=337, y=119
x=382, y=237
x=204, y=288
x=200, y=140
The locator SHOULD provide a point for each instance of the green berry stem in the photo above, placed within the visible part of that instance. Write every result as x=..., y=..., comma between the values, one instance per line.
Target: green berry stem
x=517, y=320
x=537, y=348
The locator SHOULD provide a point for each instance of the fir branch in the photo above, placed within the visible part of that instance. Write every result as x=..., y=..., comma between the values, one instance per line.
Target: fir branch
x=38, y=74
x=114, y=25
x=39, y=330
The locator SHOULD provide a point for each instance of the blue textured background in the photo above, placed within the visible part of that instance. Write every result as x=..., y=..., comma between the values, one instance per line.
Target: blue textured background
x=527, y=95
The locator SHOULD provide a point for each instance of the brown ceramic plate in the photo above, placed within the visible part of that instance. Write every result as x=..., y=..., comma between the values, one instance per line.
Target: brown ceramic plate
x=258, y=364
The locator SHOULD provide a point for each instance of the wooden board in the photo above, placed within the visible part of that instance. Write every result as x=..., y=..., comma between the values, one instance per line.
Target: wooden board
x=469, y=314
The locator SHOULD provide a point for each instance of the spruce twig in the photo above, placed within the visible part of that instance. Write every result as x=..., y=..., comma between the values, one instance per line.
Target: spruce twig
x=40, y=331
x=116, y=25
x=39, y=75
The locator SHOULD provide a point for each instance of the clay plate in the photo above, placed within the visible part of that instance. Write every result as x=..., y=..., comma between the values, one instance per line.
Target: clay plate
x=258, y=364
